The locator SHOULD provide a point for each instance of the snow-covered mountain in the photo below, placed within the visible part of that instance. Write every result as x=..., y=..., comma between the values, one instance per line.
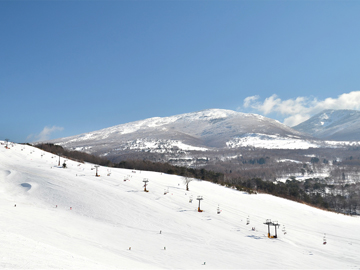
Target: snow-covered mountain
x=55, y=218
x=199, y=131
x=340, y=125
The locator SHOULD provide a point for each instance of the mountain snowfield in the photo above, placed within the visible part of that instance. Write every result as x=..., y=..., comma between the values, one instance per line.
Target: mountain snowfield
x=55, y=218
x=341, y=125
x=208, y=131
x=271, y=142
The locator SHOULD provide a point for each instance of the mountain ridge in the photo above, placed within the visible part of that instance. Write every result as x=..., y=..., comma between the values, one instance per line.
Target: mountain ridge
x=207, y=129
x=339, y=125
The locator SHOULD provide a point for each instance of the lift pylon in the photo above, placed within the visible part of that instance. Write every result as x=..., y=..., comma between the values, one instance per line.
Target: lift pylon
x=272, y=223
x=199, y=198
x=145, y=184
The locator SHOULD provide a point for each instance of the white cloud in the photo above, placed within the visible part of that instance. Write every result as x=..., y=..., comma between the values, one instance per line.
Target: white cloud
x=248, y=100
x=44, y=134
x=300, y=109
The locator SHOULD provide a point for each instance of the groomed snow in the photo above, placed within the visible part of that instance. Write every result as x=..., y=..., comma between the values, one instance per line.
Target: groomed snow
x=109, y=216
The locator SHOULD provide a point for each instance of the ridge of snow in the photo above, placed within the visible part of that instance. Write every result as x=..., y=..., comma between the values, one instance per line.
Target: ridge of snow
x=153, y=122
x=156, y=122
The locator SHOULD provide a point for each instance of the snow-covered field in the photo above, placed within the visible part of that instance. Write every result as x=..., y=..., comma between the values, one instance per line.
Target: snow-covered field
x=270, y=142
x=70, y=219
x=160, y=146
x=280, y=142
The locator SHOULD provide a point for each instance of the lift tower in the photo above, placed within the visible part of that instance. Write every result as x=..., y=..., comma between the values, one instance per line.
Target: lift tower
x=270, y=223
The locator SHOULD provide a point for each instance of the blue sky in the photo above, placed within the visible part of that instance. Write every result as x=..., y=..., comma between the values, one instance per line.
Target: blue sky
x=70, y=67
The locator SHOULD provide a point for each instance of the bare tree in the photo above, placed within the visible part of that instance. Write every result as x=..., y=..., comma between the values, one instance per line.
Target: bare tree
x=187, y=180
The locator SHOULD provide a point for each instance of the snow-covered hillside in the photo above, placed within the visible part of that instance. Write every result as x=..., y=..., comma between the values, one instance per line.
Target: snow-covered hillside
x=56, y=218
x=341, y=125
x=271, y=142
x=284, y=142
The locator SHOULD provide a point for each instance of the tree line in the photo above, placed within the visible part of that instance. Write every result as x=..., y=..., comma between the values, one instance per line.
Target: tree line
x=74, y=155
x=313, y=191
x=323, y=193
x=135, y=164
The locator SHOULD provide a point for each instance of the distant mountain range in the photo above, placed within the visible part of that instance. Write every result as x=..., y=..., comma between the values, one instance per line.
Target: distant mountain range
x=338, y=125
x=211, y=131
x=198, y=131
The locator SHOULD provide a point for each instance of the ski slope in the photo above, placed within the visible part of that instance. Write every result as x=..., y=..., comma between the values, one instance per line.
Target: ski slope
x=71, y=219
